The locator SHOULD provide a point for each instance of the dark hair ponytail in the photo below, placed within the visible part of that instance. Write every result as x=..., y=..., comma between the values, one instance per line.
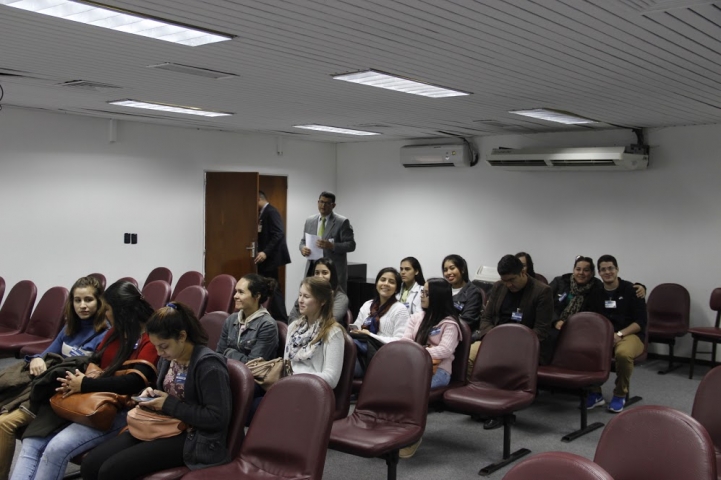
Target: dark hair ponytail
x=260, y=285
x=167, y=323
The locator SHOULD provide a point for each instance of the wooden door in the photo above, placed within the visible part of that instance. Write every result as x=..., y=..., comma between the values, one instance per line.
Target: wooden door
x=231, y=222
x=276, y=190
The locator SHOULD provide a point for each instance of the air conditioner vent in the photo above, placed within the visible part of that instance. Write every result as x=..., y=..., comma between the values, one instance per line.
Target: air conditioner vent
x=88, y=85
x=517, y=163
x=629, y=158
x=583, y=163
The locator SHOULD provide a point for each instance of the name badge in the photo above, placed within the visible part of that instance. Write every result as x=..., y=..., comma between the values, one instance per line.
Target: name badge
x=610, y=303
x=367, y=322
x=517, y=316
x=407, y=305
x=435, y=331
x=180, y=377
x=458, y=305
x=562, y=297
x=260, y=228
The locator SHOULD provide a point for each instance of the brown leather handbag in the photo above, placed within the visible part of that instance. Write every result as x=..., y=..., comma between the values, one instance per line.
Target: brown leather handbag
x=147, y=425
x=96, y=409
x=267, y=372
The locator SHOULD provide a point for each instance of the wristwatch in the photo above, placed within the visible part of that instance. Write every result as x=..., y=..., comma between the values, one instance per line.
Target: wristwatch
x=620, y=334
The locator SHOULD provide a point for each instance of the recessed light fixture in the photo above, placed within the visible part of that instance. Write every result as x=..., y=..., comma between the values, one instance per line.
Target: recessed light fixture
x=325, y=128
x=100, y=15
x=558, y=116
x=374, y=78
x=164, y=107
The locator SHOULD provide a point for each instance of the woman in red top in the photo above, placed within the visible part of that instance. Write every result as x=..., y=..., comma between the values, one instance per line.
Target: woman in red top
x=45, y=458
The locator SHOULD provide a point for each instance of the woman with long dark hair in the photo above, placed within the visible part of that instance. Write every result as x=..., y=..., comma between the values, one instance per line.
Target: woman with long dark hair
x=413, y=281
x=466, y=296
x=325, y=268
x=46, y=457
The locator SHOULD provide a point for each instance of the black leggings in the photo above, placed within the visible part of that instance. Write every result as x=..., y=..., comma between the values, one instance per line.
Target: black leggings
x=127, y=458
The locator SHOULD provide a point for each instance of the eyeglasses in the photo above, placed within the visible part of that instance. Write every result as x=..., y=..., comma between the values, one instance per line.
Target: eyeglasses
x=424, y=293
x=322, y=202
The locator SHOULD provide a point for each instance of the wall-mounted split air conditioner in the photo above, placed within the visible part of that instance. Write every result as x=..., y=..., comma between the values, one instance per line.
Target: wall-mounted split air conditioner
x=569, y=159
x=443, y=155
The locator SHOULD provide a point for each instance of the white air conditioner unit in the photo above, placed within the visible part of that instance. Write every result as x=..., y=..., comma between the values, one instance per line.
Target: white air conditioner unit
x=441, y=155
x=565, y=159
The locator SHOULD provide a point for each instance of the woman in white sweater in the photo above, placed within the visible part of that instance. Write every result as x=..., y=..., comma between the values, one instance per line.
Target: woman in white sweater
x=315, y=341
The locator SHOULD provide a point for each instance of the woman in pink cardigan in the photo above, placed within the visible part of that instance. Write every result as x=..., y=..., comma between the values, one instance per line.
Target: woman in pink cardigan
x=436, y=328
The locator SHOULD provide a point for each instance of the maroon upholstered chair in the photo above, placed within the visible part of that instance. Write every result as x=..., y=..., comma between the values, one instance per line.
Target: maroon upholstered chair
x=541, y=279
x=503, y=381
x=285, y=440
x=157, y=293
x=186, y=280
x=459, y=366
x=706, y=411
x=668, y=308
x=2, y=288
x=391, y=410
x=707, y=334
x=213, y=324
x=342, y=391
x=282, y=334
x=220, y=294
x=100, y=278
x=15, y=312
x=129, y=279
x=651, y=441
x=195, y=297
x=557, y=466
x=582, y=360
x=159, y=273
x=44, y=323
x=242, y=386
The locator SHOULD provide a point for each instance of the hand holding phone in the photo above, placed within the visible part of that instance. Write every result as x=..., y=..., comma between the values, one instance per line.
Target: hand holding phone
x=143, y=399
x=353, y=326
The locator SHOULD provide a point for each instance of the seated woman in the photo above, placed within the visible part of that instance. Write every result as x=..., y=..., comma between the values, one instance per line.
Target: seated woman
x=325, y=268
x=383, y=318
x=193, y=386
x=315, y=341
x=413, y=281
x=572, y=292
x=85, y=326
x=251, y=332
x=466, y=298
x=45, y=454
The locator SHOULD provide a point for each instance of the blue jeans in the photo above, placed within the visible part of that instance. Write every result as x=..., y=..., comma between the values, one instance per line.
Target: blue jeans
x=46, y=458
x=440, y=379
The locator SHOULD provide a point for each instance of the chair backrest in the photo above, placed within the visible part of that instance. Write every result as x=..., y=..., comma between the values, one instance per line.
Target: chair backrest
x=348, y=319
x=100, y=278
x=159, y=273
x=48, y=314
x=714, y=303
x=213, y=322
x=459, y=367
x=342, y=391
x=541, y=279
x=396, y=385
x=507, y=359
x=242, y=386
x=282, y=335
x=652, y=441
x=705, y=405
x=15, y=312
x=2, y=288
x=129, y=279
x=186, y=280
x=194, y=297
x=157, y=293
x=220, y=294
x=290, y=439
x=557, y=466
x=585, y=344
x=669, y=307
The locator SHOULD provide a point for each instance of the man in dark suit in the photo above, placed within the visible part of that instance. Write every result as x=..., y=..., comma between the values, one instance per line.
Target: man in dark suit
x=335, y=237
x=272, y=252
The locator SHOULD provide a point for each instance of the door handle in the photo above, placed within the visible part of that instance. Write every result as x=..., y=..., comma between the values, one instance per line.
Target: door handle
x=252, y=249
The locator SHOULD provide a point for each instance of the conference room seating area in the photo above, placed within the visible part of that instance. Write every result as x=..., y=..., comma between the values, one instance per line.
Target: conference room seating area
x=303, y=429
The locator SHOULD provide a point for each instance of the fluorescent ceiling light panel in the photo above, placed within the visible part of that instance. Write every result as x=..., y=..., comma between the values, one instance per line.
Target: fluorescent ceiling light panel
x=163, y=107
x=345, y=131
x=378, y=79
x=121, y=20
x=557, y=116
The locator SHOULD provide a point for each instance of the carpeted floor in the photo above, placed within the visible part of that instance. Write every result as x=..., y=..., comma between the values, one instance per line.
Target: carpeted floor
x=456, y=447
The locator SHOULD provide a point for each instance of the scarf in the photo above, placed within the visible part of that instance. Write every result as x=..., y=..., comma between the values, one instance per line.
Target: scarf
x=300, y=335
x=244, y=322
x=373, y=323
x=579, y=294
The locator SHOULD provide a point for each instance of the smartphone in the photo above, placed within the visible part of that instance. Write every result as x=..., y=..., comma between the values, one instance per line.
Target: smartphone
x=353, y=326
x=143, y=399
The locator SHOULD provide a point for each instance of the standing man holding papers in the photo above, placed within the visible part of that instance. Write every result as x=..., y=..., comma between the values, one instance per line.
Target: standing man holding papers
x=272, y=252
x=328, y=234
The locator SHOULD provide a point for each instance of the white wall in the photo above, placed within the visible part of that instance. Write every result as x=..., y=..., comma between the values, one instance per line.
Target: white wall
x=662, y=224
x=67, y=195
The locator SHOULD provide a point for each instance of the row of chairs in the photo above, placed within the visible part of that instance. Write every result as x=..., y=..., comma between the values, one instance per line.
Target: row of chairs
x=646, y=442
x=28, y=331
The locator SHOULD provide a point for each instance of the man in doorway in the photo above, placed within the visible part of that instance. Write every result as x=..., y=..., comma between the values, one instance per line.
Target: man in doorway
x=335, y=237
x=272, y=252
x=618, y=302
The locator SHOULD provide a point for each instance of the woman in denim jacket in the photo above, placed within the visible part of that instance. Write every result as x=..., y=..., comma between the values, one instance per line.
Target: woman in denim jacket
x=251, y=332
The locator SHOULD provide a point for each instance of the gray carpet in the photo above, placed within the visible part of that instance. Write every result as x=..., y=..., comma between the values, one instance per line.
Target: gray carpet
x=454, y=446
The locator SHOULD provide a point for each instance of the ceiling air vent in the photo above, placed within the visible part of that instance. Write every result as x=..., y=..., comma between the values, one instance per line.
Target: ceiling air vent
x=88, y=85
x=197, y=71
